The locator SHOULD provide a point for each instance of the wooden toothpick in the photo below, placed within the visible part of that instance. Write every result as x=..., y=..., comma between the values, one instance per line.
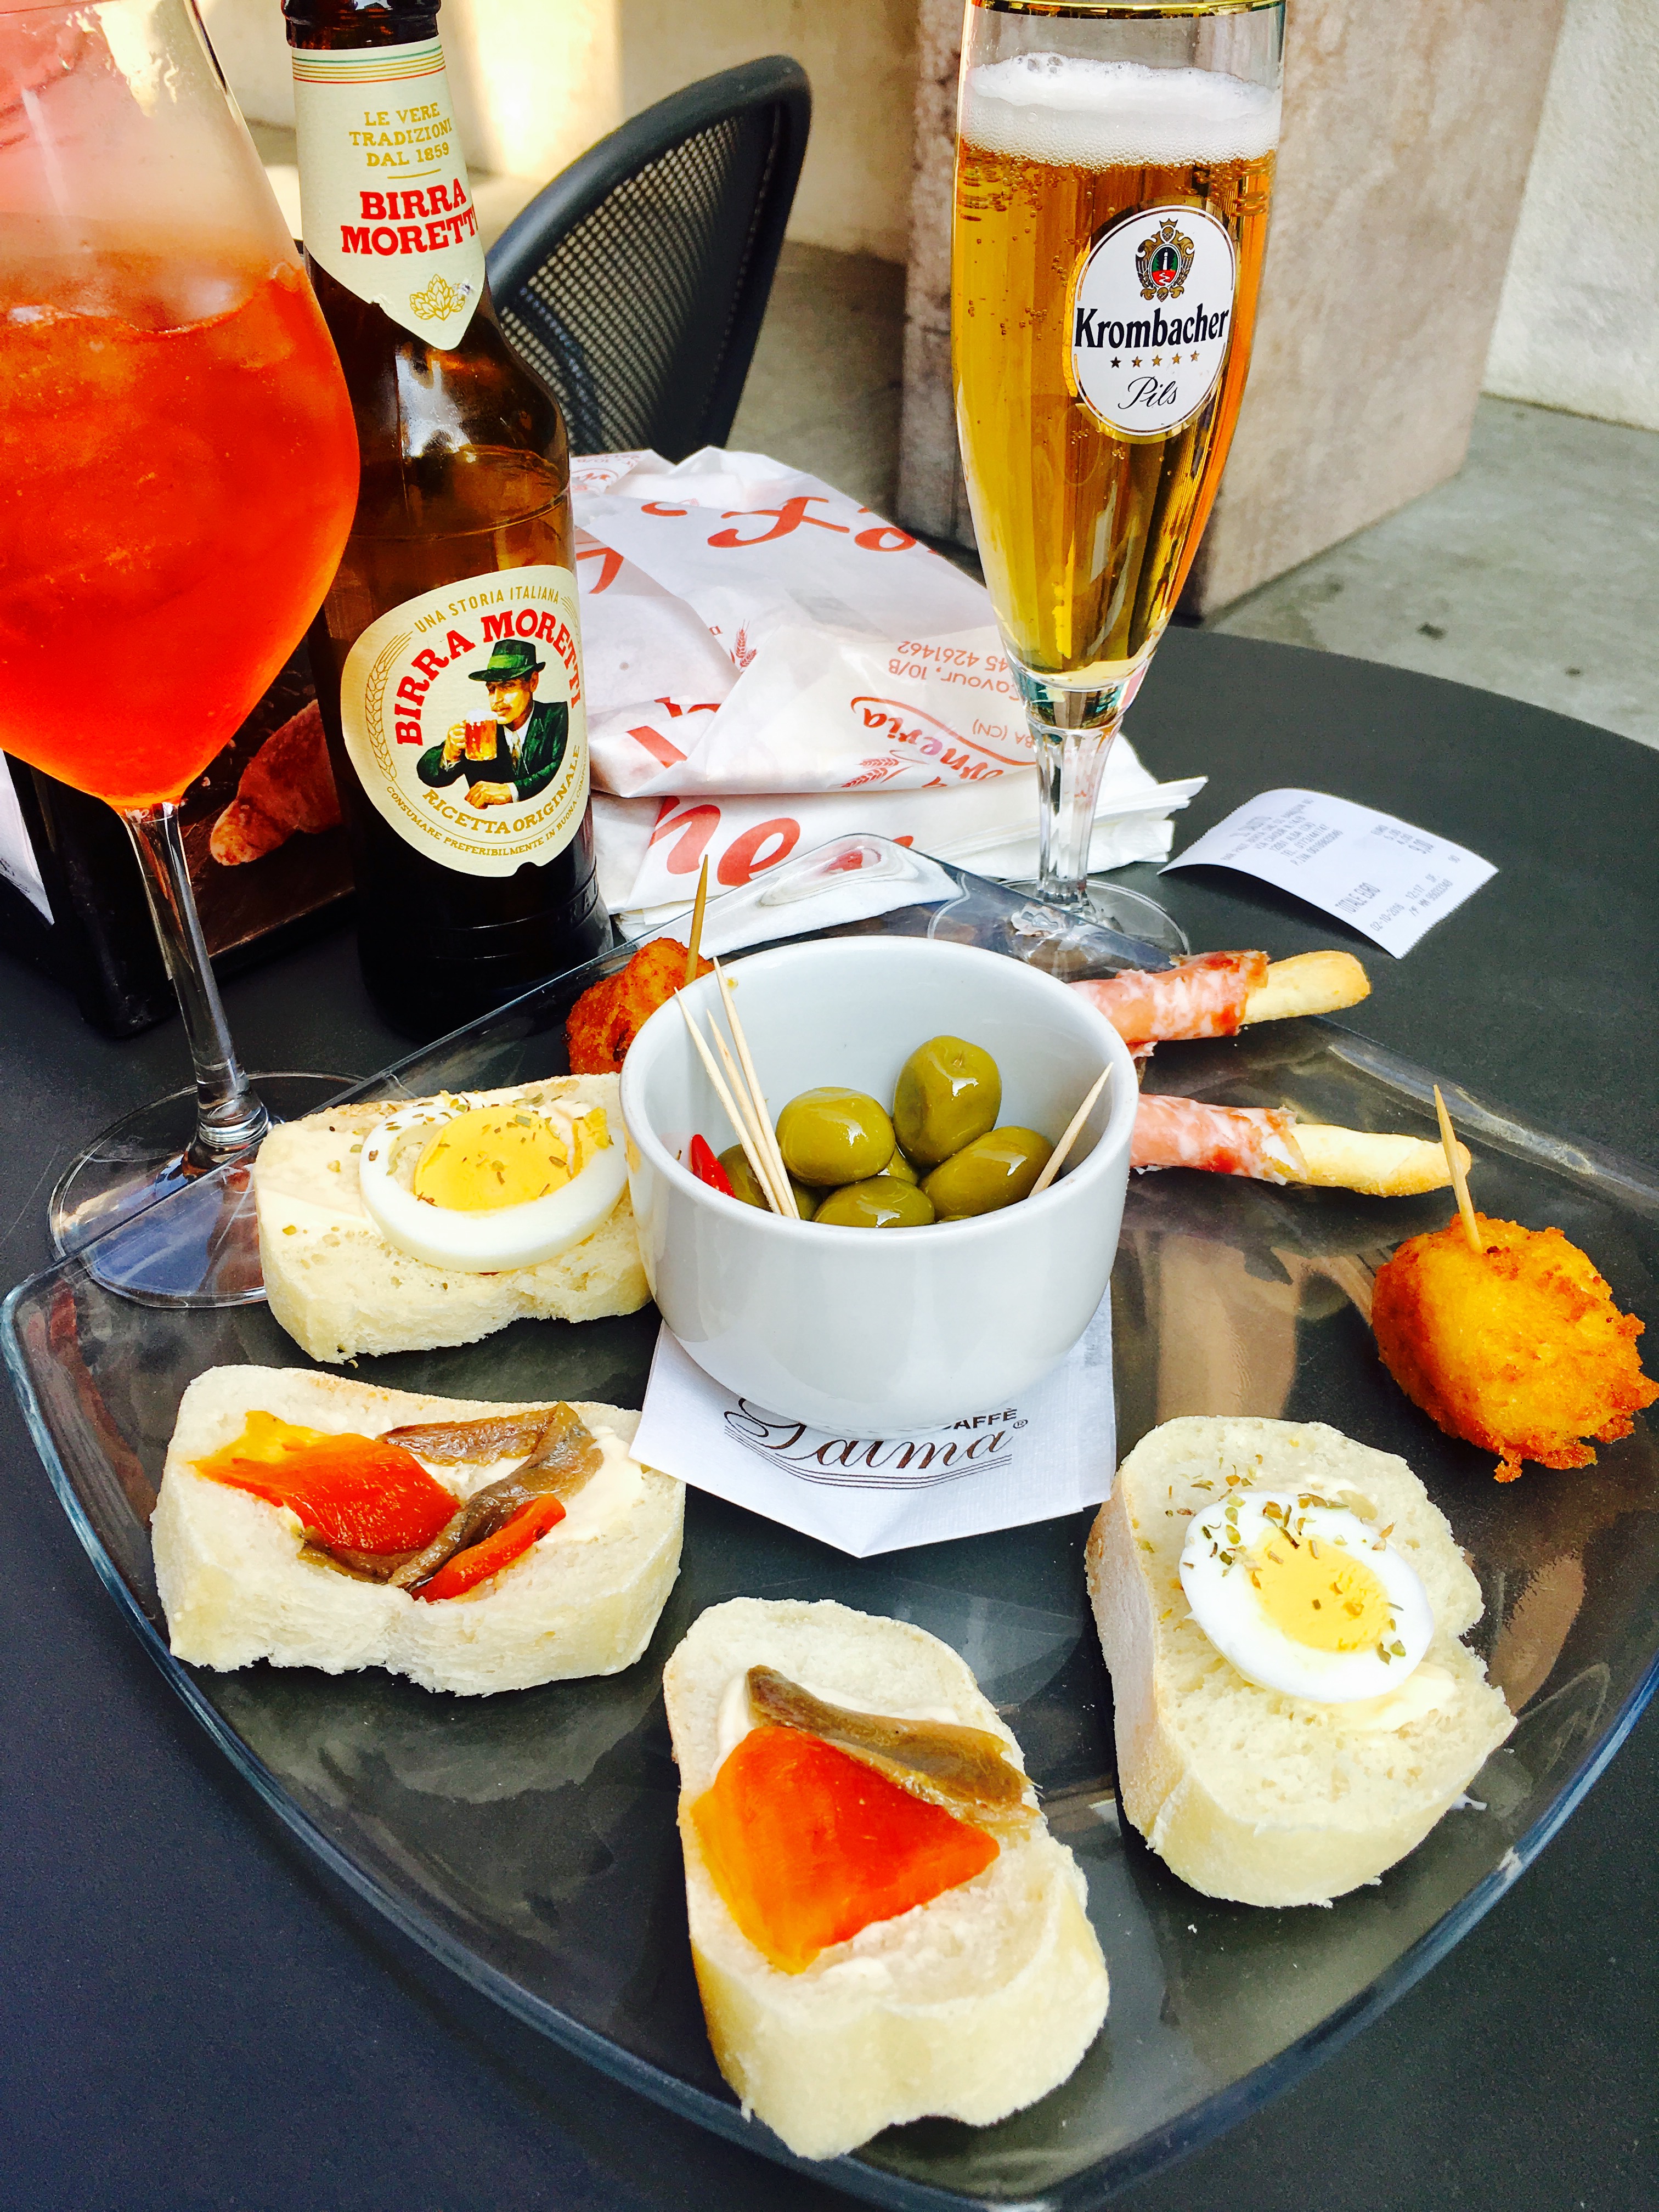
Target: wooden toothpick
x=761, y=1116
x=1460, y=1181
x=1056, y=1160
x=730, y=1105
x=694, y=946
x=770, y=1172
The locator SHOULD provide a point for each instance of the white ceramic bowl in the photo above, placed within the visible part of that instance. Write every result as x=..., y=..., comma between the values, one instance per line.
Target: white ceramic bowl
x=882, y=1330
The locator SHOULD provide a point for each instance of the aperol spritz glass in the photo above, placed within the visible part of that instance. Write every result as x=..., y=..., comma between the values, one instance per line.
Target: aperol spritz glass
x=178, y=476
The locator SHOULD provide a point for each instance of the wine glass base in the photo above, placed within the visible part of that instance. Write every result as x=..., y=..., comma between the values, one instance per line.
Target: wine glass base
x=1148, y=928
x=202, y=1250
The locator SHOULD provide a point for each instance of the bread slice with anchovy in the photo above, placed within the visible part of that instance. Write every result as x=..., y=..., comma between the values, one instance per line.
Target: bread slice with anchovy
x=971, y=2005
x=341, y=1289
x=1245, y=1792
x=584, y=1600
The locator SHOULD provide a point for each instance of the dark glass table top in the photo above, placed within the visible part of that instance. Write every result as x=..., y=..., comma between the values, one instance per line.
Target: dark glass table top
x=194, y=2021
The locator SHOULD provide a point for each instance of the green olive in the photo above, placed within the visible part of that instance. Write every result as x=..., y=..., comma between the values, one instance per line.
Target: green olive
x=880, y=1202
x=745, y=1184
x=948, y=1092
x=832, y=1136
x=992, y=1171
x=901, y=1170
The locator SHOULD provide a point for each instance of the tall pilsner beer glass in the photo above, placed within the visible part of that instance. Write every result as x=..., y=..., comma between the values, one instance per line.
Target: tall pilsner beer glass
x=1114, y=167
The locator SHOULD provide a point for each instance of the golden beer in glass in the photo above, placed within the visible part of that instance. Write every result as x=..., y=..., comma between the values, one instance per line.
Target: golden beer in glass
x=1114, y=168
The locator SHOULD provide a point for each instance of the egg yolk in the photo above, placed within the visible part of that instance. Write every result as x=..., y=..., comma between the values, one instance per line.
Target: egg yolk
x=1319, y=1594
x=491, y=1156
x=807, y=1844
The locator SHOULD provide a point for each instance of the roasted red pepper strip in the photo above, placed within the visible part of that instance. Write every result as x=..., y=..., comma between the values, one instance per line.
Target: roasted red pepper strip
x=701, y=1159
x=479, y=1561
x=356, y=1491
x=807, y=1844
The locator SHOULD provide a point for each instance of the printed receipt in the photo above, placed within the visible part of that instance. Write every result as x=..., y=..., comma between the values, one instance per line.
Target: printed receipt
x=997, y=1466
x=1390, y=880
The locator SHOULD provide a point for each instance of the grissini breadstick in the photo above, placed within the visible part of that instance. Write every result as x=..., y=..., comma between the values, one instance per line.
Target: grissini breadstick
x=1217, y=994
x=1268, y=1143
x=1307, y=983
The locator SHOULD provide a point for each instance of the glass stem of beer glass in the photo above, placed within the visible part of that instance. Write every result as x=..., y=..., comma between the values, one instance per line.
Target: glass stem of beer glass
x=1069, y=765
x=1071, y=731
x=229, y=1119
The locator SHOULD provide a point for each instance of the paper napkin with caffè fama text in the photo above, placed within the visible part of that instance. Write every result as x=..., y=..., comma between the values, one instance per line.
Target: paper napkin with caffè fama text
x=996, y=1466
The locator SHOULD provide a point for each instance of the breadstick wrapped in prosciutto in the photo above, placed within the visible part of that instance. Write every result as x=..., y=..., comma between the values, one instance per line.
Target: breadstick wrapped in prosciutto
x=1217, y=994
x=1268, y=1143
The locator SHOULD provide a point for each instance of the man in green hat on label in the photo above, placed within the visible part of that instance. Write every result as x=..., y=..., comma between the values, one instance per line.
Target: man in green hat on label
x=522, y=754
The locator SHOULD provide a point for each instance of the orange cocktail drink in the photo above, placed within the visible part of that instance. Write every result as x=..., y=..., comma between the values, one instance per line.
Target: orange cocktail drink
x=177, y=477
x=178, y=472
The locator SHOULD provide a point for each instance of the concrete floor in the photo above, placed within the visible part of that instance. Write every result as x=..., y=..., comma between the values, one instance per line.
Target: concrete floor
x=1535, y=571
x=827, y=377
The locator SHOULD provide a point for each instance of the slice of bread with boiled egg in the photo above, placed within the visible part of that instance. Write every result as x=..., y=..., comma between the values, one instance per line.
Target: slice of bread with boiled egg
x=881, y=1923
x=243, y=1577
x=1282, y=1610
x=397, y=1227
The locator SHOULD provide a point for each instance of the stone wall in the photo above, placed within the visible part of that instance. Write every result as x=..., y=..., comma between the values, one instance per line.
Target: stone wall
x=535, y=83
x=861, y=55
x=1408, y=130
x=1579, y=327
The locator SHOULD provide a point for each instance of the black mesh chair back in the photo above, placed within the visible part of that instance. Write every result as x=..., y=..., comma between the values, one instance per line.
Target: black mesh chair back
x=637, y=280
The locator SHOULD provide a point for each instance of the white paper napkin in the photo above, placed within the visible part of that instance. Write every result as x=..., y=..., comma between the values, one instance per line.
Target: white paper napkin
x=770, y=665
x=999, y=1468
x=650, y=850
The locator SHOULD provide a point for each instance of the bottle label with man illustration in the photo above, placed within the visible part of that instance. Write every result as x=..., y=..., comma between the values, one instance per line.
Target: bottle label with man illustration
x=464, y=715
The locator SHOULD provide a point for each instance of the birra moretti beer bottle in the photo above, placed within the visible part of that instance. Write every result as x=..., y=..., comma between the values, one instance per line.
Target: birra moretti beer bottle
x=447, y=653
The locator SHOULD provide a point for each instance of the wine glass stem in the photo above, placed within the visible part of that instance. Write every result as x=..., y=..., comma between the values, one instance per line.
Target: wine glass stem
x=1069, y=764
x=229, y=1119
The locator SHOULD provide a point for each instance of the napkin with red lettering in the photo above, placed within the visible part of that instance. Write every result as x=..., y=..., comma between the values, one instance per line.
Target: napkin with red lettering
x=997, y=1466
x=771, y=665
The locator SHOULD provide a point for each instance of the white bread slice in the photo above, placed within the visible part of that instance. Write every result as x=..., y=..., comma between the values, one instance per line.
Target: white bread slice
x=1242, y=1792
x=971, y=2006
x=340, y=1289
x=583, y=1601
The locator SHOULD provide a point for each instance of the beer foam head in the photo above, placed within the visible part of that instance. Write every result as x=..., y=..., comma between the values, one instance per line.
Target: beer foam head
x=1100, y=115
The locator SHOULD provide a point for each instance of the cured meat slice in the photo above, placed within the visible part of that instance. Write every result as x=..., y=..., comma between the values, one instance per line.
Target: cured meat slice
x=1241, y=1140
x=1203, y=997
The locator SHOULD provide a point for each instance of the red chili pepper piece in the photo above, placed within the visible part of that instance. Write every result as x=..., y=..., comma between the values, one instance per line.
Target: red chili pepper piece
x=707, y=1168
x=479, y=1561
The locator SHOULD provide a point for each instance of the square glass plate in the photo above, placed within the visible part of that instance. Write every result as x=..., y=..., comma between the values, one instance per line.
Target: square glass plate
x=528, y=1839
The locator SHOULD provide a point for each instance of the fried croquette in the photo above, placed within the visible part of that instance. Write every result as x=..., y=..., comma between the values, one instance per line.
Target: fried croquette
x=1518, y=1348
x=609, y=1016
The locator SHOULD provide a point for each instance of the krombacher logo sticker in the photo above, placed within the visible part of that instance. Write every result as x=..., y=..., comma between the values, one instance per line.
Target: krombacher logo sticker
x=1164, y=261
x=1152, y=315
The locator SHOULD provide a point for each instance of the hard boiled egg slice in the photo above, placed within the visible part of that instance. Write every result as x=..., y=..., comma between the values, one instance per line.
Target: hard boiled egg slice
x=1304, y=1597
x=484, y=1188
